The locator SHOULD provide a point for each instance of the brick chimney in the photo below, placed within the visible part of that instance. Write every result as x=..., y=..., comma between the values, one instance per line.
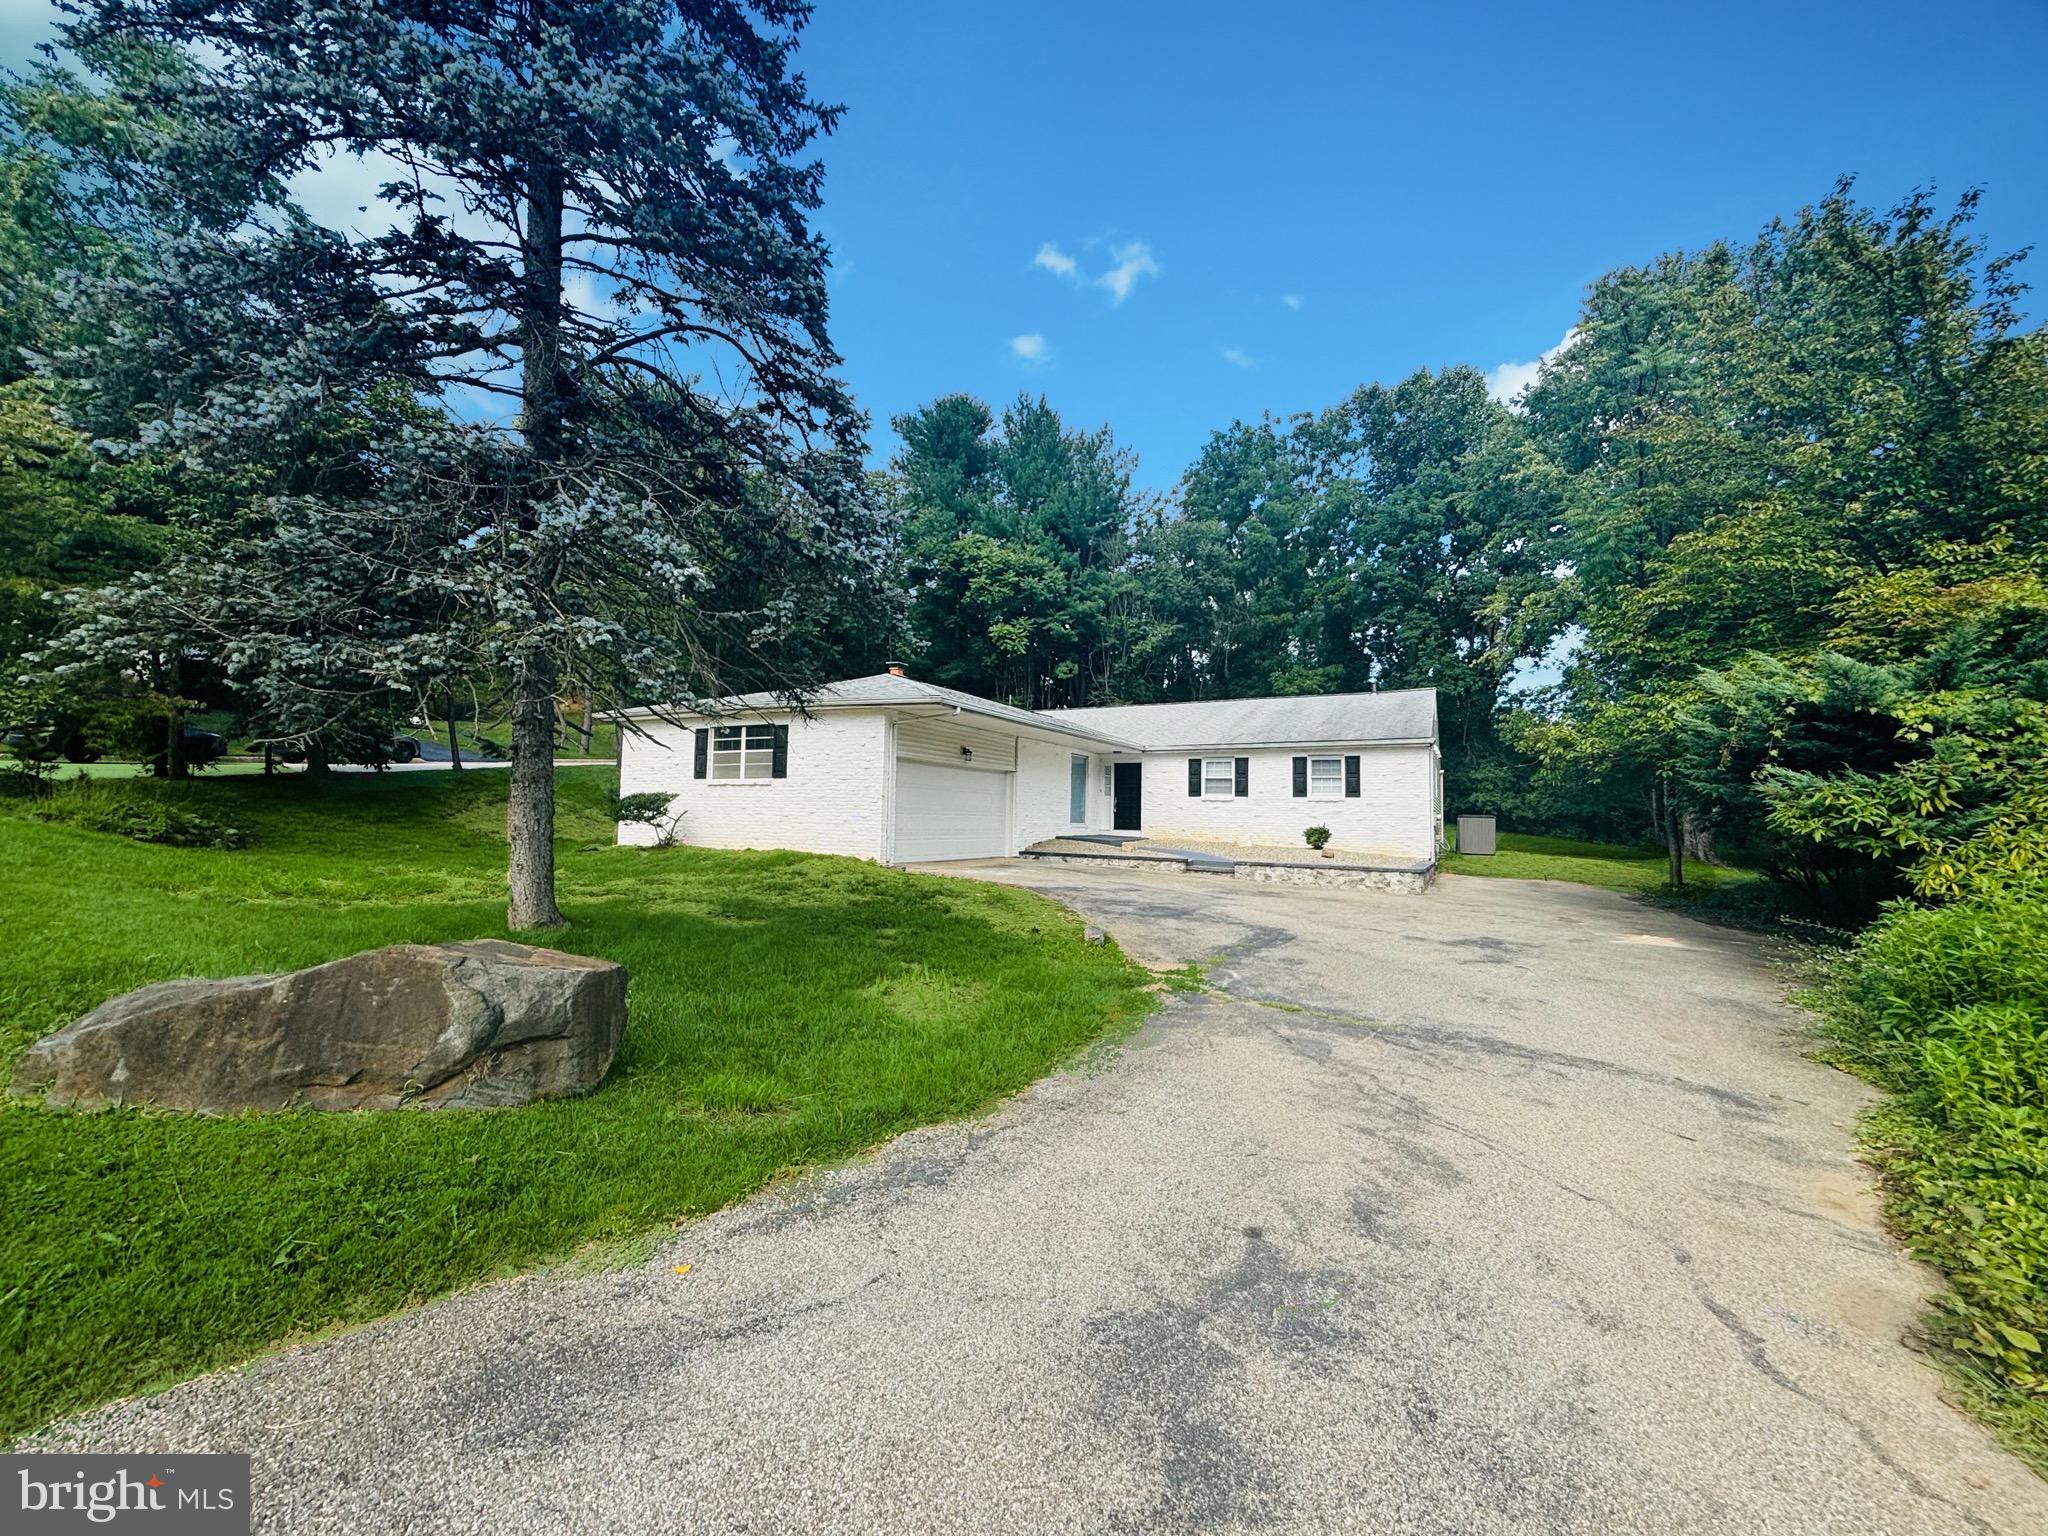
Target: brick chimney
x=896, y=669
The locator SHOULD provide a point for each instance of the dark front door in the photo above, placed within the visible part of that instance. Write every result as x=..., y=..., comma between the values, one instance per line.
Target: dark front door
x=1129, y=785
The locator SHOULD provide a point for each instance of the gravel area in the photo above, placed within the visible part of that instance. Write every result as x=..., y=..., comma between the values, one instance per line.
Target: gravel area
x=1513, y=1208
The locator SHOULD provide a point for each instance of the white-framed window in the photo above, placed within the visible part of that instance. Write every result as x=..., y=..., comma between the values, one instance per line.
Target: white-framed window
x=742, y=751
x=1326, y=778
x=1219, y=778
x=1077, y=790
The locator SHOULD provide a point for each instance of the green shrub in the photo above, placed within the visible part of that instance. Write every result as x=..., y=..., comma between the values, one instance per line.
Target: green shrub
x=649, y=807
x=1948, y=1007
x=1316, y=837
x=147, y=818
x=26, y=779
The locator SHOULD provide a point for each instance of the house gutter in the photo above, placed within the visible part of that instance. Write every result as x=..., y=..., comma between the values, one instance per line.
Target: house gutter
x=1255, y=746
x=934, y=709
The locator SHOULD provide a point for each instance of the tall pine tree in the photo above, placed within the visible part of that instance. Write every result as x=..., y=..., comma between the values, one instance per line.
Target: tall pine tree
x=595, y=266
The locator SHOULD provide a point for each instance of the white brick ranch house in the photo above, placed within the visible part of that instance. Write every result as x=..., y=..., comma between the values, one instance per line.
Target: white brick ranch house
x=901, y=771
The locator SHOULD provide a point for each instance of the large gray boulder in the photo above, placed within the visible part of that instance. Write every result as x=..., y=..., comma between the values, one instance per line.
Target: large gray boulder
x=430, y=1026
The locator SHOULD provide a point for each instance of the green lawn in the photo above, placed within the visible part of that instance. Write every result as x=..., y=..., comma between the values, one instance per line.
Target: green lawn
x=1524, y=857
x=786, y=1010
x=115, y=770
x=604, y=740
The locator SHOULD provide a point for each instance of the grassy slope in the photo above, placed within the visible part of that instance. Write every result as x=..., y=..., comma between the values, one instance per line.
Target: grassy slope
x=786, y=1009
x=1523, y=857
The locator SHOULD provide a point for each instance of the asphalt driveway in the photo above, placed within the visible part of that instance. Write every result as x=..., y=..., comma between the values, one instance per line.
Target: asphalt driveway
x=1510, y=1208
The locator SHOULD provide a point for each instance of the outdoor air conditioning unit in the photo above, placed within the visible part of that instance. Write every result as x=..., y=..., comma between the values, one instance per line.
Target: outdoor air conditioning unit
x=1475, y=835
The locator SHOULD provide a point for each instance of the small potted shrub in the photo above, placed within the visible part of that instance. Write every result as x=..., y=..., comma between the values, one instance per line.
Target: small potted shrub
x=1318, y=838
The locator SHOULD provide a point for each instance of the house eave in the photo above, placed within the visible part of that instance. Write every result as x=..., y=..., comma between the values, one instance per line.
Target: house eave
x=1348, y=742
x=938, y=710
x=933, y=710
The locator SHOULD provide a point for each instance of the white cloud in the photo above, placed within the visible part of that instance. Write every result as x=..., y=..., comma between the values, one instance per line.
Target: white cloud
x=1030, y=347
x=1054, y=260
x=586, y=292
x=1291, y=300
x=1237, y=357
x=341, y=192
x=1133, y=260
x=1507, y=381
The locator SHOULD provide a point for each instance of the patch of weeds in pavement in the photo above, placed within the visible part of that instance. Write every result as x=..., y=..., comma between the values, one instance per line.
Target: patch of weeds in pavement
x=628, y=1250
x=1279, y=1007
x=1184, y=978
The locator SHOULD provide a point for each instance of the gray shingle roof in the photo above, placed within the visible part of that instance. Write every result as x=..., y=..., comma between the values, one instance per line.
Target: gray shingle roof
x=885, y=689
x=1407, y=714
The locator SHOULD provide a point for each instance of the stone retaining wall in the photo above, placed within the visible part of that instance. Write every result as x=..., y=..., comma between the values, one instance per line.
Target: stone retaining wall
x=1413, y=881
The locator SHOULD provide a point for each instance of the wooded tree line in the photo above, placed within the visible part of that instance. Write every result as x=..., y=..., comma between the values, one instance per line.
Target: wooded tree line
x=1757, y=564
x=1756, y=567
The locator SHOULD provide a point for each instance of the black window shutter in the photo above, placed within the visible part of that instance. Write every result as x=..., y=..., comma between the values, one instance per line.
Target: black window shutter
x=1301, y=778
x=703, y=751
x=778, y=767
x=1195, y=777
x=1244, y=777
x=1351, y=777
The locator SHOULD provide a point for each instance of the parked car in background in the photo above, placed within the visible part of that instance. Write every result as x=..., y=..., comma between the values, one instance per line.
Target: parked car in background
x=410, y=748
x=62, y=737
x=399, y=749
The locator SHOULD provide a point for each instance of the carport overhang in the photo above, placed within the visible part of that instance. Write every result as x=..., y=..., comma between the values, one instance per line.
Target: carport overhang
x=995, y=719
x=1055, y=735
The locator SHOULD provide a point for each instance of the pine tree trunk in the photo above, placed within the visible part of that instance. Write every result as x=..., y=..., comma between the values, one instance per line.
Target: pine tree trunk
x=175, y=766
x=530, y=807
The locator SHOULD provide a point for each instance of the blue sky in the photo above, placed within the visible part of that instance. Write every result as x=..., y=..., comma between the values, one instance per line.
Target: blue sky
x=1304, y=198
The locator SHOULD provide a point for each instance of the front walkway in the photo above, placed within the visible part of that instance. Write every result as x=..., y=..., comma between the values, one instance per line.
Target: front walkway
x=1512, y=1208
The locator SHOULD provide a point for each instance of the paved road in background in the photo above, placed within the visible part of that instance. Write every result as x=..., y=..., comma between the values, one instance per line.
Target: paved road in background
x=1513, y=1208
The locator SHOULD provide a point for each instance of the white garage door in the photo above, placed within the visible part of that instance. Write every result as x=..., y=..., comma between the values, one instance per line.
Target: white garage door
x=949, y=813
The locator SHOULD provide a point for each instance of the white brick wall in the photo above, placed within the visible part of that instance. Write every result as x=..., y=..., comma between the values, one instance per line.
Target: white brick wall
x=1042, y=798
x=839, y=795
x=1393, y=816
x=837, y=798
